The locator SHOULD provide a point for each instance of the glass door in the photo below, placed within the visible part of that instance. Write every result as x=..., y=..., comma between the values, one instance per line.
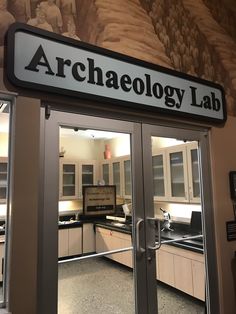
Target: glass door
x=125, y=263
x=177, y=237
x=93, y=263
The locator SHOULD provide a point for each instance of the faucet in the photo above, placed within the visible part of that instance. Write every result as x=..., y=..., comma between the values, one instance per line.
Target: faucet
x=166, y=224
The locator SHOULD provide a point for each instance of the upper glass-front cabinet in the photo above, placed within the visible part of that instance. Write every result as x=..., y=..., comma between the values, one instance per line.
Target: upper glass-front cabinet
x=159, y=176
x=3, y=180
x=193, y=170
x=106, y=173
x=127, y=178
x=178, y=173
x=116, y=176
x=87, y=174
x=69, y=180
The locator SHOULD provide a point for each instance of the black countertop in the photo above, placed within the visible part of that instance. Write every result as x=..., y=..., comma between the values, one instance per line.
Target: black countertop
x=180, y=231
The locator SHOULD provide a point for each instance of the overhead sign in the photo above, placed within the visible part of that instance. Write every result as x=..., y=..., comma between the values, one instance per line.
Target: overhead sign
x=45, y=61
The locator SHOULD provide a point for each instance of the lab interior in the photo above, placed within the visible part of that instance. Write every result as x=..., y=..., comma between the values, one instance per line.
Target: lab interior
x=95, y=217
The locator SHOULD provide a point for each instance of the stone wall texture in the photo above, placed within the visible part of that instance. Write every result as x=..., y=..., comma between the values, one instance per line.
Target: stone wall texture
x=194, y=37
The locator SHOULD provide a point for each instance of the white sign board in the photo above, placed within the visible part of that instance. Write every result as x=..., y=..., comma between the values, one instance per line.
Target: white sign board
x=45, y=61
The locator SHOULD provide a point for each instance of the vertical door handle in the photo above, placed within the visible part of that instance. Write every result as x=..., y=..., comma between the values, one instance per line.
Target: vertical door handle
x=138, y=247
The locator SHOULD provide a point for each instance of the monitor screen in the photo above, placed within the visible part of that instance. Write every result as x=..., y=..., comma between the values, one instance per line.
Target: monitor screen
x=196, y=221
x=99, y=200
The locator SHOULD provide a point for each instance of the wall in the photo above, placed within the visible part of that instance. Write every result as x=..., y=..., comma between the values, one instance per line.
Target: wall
x=222, y=140
x=78, y=148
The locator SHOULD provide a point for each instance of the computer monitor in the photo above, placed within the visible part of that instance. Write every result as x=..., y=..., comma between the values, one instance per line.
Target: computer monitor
x=99, y=200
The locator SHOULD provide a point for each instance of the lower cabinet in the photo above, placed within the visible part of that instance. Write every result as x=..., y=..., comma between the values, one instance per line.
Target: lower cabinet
x=107, y=240
x=177, y=267
x=88, y=238
x=69, y=242
x=182, y=269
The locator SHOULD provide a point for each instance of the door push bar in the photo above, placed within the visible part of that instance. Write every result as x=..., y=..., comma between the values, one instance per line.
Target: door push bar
x=160, y=242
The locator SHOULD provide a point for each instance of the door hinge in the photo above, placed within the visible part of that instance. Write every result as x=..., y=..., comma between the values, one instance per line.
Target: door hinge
x=47, y=112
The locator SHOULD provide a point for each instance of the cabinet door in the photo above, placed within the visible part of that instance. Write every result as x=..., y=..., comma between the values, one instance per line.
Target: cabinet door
x=87, y=173
x=193, y=171
x=88, y=238
x=166, y=267
x=183, y=274
x=75, y=241
x=198, y=280
x=116, y=176
x=99, y=242
x=106, y=173
x=127, y=178
x=63, y=243
x=177, y=173
x=68, y=180
x=159, y=176
x=3, y=180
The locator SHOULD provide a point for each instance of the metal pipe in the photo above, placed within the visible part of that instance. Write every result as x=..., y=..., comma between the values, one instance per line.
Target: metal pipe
x=95, y=255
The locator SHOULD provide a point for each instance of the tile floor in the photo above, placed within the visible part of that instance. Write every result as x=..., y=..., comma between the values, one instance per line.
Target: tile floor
x=100, y=286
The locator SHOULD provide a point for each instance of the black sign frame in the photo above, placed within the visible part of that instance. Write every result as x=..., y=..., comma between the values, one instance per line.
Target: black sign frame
x=9, y=65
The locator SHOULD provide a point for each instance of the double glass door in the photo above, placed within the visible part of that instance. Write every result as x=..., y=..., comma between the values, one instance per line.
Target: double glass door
x=117, y=268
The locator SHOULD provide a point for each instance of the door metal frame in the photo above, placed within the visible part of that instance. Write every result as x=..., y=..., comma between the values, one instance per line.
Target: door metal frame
x=48, y=217
x=212, y=297
x=145, y=268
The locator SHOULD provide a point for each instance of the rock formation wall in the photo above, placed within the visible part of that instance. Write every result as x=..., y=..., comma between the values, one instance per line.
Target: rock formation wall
x=122, y=26
x=195, y=42
x=179, y=34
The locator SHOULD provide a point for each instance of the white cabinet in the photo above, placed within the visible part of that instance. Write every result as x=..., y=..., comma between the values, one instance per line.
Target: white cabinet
x=73, y=176
x=117, y=171
x=181, y=269
x=3, y=179
x=88, y=238
x=193, y=173
x=87, y=174
x=116, y=176
x=198, y=270
x=68, y=180
x=106, y=172
x=183, y=274
x=63, y=240
x=127, y=179
x=69, y=242
x=176, y=174
x=159, y=169
x=166, y=267
x=107, y=240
